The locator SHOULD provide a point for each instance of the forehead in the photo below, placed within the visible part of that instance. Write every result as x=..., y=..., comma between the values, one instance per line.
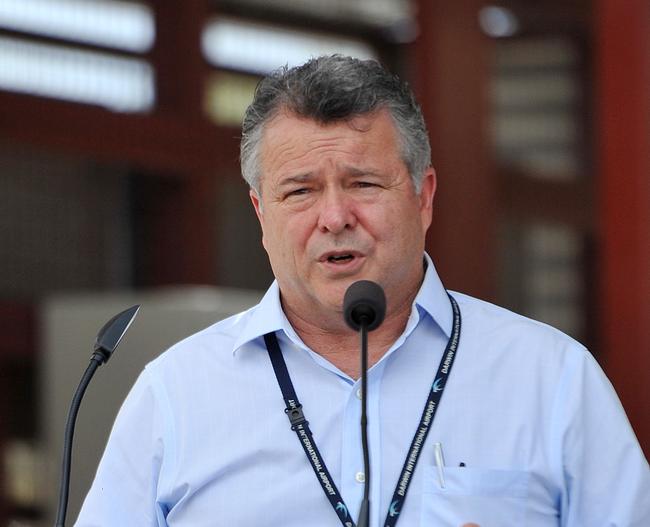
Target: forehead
x=290, y=140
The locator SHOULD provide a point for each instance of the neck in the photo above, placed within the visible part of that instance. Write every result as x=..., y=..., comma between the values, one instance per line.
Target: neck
x=341, y=346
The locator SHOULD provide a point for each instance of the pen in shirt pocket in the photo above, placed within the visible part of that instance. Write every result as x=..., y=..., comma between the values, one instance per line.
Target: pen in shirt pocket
x=439, y=460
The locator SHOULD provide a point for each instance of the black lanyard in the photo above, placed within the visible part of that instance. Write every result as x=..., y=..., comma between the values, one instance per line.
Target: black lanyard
x=300, y=425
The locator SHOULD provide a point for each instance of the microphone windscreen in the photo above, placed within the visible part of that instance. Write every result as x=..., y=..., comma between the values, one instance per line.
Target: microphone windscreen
x=111, y=334
x=364, y=303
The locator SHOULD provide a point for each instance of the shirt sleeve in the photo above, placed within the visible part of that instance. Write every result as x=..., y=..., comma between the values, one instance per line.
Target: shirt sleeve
x=607, y=478
x=124, y=491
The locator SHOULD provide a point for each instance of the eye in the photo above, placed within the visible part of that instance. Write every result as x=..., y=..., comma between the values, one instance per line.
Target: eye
x=365, y=184
x=297, y=192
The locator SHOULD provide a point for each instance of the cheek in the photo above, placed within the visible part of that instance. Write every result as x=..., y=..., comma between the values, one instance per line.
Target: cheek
x=385, y=223
x=400, y=227
x=288, y=236
x=299, y=235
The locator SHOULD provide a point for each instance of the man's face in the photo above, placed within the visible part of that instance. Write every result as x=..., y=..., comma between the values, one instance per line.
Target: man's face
x=338, y=205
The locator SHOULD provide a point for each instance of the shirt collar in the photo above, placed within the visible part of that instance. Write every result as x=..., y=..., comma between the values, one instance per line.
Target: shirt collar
x=432, y=298
x=268, y=316
x=265, y=317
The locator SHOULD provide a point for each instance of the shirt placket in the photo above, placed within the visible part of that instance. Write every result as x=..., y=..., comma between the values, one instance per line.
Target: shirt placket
x=352, y=470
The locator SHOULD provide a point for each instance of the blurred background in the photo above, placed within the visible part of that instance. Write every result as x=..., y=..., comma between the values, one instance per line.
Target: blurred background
x=120, y=184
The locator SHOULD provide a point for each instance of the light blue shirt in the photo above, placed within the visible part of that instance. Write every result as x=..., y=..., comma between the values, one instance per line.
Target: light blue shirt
x=203, y=440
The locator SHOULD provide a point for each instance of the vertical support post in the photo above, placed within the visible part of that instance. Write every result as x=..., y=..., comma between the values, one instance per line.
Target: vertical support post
x=180, y=243
x=451, y=79
x=177, y=56
x=622, y=46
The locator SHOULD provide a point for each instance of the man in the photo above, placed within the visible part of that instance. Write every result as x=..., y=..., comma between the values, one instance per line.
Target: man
x=337, y=157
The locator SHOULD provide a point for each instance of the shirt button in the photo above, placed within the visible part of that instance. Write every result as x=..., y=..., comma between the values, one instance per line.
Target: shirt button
x=359, y=393
x=360, y=477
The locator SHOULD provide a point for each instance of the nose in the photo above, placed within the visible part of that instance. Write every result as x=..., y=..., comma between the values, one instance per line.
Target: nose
x=336, y=212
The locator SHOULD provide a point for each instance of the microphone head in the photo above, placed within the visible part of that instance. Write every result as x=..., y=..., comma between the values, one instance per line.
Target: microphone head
x=111, y=334
x=364, y=303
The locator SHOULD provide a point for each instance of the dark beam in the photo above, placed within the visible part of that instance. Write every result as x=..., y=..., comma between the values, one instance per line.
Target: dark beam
x=69, y=44
x=170, y=144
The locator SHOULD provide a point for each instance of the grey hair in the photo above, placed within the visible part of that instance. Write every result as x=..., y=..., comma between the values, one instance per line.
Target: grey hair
x=335, y=88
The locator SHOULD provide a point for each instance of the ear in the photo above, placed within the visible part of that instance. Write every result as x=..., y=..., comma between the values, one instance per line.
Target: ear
x=256, y=200
x=427, y=193
x=257, y=205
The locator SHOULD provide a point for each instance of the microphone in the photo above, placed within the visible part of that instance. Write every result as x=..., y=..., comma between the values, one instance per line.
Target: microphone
x=107, y=340
x=364, y=303
x=364, y=308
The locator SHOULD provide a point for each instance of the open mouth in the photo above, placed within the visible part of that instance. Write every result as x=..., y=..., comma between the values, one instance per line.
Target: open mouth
x=340, y=258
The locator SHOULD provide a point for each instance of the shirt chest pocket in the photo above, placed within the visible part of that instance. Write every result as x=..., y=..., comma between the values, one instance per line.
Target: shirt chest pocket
x=489, y=498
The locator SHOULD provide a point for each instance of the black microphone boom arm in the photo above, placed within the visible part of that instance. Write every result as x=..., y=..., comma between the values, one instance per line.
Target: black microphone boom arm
x=108, y=339
x=364, y=308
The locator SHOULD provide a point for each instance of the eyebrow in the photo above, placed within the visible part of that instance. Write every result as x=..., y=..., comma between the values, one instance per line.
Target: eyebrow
x=292, y=180
x=360, y=172
x=308, y=176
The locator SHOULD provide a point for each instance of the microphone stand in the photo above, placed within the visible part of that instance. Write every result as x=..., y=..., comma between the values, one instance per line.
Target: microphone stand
x=364, y=511
x=107, y=341
x=69, y=435
x=364, y=308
